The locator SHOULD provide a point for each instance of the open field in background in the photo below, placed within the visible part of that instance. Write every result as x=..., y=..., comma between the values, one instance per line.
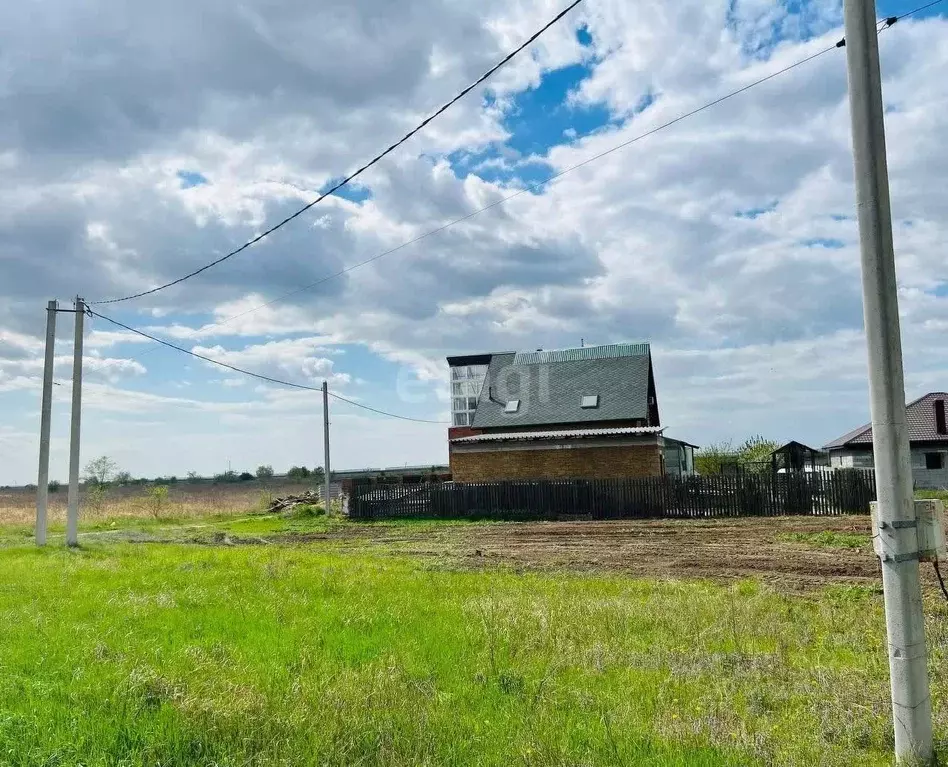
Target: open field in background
x=301, y=640
x=185, y=501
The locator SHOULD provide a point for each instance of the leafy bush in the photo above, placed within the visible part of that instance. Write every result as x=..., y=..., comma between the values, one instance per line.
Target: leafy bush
x=95, y=497
x=710, y=459
x=158, y=495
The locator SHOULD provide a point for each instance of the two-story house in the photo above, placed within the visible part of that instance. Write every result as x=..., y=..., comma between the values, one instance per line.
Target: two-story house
x=583, y=413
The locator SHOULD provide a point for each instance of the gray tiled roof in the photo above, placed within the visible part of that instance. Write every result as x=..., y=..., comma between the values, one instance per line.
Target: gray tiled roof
x=551, y=392
x=582, y=353
x=920, y=416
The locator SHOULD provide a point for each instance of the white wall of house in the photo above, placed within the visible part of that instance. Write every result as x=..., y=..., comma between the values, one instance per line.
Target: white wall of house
x=929, y=465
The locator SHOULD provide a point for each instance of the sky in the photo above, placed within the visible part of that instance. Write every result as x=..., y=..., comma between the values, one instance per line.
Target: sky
x=140, y=141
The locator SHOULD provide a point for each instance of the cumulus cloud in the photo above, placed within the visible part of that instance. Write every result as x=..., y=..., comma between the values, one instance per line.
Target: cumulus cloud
x=295, y=359
x=135, y=149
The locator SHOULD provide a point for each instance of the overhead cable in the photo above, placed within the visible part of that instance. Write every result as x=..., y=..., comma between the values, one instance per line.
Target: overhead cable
x=269, y=379
x=528, y=188
x=351, y=176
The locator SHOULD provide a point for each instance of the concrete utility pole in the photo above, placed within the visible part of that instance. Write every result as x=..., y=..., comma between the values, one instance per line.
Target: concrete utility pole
x=46, y=410
x=326, y=442
x=905, y=627
x=72, y=511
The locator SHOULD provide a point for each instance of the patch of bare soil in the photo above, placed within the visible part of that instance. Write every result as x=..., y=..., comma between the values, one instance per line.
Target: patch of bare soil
x=721, y=549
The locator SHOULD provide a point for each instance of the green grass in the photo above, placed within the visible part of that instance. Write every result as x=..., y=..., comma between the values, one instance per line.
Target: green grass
x=938, y=495
x=829, y=539
x=167, y=654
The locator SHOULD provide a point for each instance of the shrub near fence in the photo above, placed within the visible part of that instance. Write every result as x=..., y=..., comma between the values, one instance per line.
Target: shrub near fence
x=744, y=495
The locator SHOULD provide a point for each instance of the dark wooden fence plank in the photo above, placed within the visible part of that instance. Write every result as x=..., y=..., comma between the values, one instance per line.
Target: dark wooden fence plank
x=733, y=495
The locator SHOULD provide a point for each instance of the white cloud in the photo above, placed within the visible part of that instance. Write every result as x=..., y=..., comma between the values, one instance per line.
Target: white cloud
x=708, y=238
x=295, y=359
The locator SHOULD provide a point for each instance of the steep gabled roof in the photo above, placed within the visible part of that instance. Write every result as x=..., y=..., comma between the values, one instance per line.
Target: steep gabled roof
x=919, y=415
x=549, y=387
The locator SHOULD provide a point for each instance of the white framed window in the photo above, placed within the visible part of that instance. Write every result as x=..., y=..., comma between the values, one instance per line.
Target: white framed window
x=512, y=406
x=466, y=384
x=589, y=401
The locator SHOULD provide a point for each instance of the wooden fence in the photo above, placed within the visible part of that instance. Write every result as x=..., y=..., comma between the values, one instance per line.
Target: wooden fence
x=745, y=495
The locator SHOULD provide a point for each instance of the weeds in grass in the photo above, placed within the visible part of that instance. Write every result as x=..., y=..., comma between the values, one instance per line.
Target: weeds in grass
x=829, y=539
x=157, y=496
x=937, y=495
x=95, y=498
x=274, y=656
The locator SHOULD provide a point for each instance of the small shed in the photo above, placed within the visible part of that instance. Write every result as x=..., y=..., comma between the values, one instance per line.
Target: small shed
x=794, y=456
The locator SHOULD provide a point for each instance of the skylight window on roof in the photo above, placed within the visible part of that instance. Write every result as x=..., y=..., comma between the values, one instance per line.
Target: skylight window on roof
x=512, y=406
x=590, y=400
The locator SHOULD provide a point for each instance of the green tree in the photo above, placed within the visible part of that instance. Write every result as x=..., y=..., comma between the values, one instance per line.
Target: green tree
x=54, y=486
x=123, y=478
x=754, y=453
x=101, y=470
x=297, y=473
x=710, y=459
x=264, y=472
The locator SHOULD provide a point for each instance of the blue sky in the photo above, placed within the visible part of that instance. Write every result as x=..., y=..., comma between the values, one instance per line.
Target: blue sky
x=728, y=241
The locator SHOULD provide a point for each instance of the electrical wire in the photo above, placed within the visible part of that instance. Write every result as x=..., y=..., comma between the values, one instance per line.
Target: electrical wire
x=538, y=185
x=886, y=23
x=528, y=188
x=893, y=19
x=940, y=581
x=269, y=379
x=382, y=412
x=506, y=59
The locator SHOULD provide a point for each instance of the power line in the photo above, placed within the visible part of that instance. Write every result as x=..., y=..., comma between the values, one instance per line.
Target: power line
x=913, y=12
x=357, y=173
x=529, y=188
x=252, y=374
x=382, y=412
x=538, y=185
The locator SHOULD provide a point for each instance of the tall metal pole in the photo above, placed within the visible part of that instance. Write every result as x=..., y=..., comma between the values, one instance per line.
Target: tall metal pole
x=46, y=409
x=72, y=511
x=326, y=443
x=898, y=537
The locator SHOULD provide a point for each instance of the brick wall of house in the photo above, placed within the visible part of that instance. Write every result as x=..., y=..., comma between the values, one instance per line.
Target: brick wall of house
x=461, y=431
x=577, y=463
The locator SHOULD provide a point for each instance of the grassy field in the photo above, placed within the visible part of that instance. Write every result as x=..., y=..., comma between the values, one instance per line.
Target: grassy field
x=295, y=642
x=204, y=636
x=185, y=501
